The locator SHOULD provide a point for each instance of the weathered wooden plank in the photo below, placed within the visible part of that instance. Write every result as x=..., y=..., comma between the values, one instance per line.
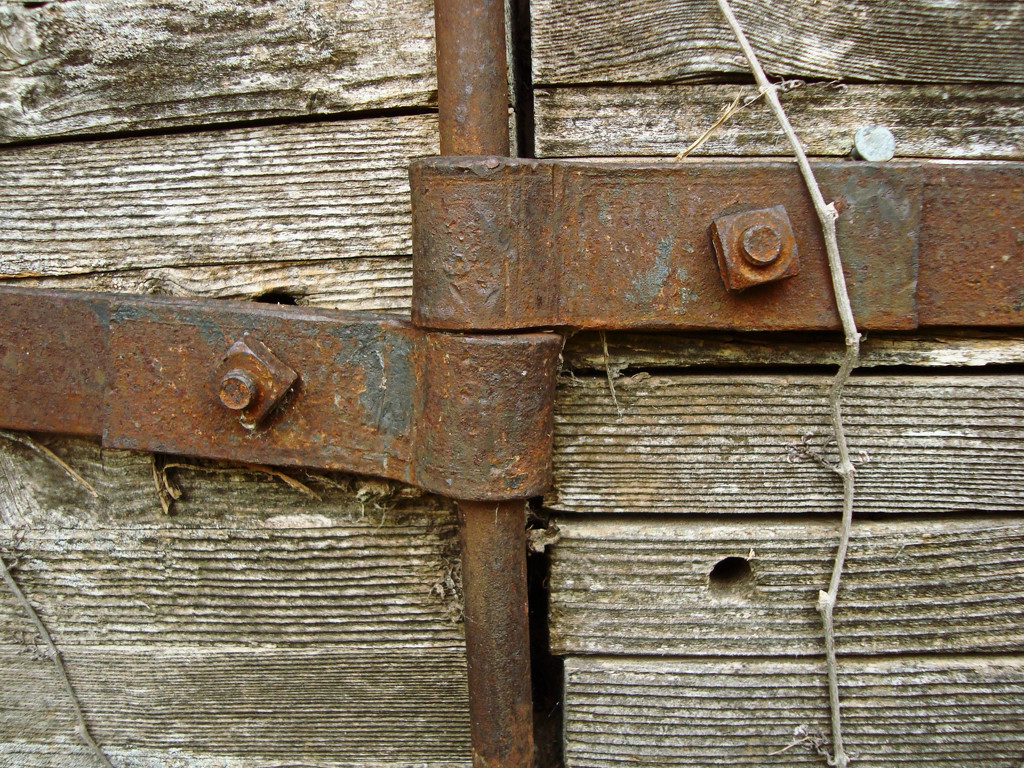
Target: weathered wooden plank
x=937, y=712
x=382, y=284
x=245, y=559
x=260, y=622
x=645, y=41
x=240, y=706
x=724, y=443
x=257, y=195
x=643, y=587
x=942, y=121
x=586, y=351
x=95, y=66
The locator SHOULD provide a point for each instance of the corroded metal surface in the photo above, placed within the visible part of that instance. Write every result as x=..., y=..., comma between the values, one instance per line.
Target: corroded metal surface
x=251, y=380
x=466, y=416
x=502, y=244
x=493, y=539
x=972, y=244
x=755, y=247
x=472, y=77
x=51, y=350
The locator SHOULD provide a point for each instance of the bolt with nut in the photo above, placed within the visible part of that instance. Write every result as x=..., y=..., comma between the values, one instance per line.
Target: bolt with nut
x=762, y=244
x=237, y=390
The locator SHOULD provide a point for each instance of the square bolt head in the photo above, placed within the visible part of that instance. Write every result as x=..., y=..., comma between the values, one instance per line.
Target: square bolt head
x=755, y=247
x=250, y=380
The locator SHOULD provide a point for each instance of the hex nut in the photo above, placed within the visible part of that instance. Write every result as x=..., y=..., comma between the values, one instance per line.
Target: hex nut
x=251, y=380
x=755, y=247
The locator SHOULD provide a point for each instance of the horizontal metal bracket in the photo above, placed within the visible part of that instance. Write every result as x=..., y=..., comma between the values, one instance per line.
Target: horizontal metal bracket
x=466, y=416
x=503, y=244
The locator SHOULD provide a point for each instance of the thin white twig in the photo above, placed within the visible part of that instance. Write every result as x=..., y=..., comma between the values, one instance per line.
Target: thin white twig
x=26, y=606
x=828, y=215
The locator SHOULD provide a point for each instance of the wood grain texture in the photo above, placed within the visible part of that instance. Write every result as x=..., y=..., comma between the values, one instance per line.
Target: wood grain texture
x=642, y=587
x=246, y=558
x=907, y=712
x=586, y=351
x=258, y=625
x=941, y=121
x=645, y=41
x=722, y=444
x=381, y=284
x=258, y=195
x=96, y=66
x=247, y=707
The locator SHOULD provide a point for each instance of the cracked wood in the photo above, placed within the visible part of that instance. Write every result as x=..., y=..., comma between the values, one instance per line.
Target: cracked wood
x=102, y=66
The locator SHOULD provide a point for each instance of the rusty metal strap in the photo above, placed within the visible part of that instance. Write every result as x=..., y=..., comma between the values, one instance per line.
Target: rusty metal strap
x=506, y=244
x=464, y=416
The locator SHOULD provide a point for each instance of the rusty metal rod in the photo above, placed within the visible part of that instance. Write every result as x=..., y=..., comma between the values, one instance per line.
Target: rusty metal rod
x=472, y=97
x=493, y=538
x=472, y=77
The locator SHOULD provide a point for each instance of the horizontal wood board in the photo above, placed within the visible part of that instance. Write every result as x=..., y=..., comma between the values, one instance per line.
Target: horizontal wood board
x=730, y=443
x=940, y=121
x=647, y=587
x=578, y=42
x=99, y=66
x=618, y=352
x=239, y=707
x=258, y=624
x=381, y=284
x=248, y=196
x=937, y=712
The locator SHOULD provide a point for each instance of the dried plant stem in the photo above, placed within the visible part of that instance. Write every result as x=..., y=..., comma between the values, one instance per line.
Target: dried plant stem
x=828, y=215
x=26, y=606
x=50, y=456
x=608, y=373
x=728, y=112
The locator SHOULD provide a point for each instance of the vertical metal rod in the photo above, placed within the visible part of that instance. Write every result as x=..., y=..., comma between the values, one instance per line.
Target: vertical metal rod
x=472, y=76
x=493, y=538
x=472, y=97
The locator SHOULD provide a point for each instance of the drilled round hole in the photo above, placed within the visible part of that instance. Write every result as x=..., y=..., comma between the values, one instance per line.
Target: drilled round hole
x=730, y=574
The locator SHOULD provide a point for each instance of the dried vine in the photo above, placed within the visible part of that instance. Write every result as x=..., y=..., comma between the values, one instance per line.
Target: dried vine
x=58, y=661
x=828, y=215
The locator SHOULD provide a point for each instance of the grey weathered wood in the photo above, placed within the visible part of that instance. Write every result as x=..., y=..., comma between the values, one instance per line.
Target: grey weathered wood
x=382, y=284
x=722, y=443
x=96, y=66
x=944, y=121
x=586, y=351
x=256, y=623
x=645, y=587
x=258, y=706
x=643, y=41
x=948, y=712
x=257, y=195
x=246, y=558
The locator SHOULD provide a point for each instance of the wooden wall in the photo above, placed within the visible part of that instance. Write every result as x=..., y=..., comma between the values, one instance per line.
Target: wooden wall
x=221, y=149
x=693, y=537
x=255, y=148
